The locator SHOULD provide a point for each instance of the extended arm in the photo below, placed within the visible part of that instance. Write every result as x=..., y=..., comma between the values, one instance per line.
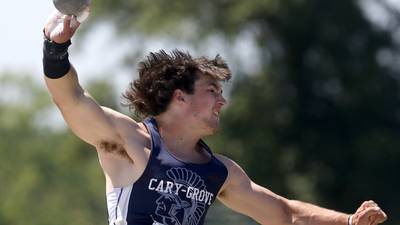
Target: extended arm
x=266, y=207
x=85, y=117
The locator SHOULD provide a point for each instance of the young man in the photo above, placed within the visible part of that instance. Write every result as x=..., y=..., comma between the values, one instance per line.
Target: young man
x=159, y=171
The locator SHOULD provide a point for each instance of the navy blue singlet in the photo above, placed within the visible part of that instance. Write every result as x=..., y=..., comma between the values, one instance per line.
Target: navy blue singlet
x=170, y=191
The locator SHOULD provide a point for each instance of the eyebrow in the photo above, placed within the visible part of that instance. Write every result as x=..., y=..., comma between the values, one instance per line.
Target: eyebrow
x=216, y=85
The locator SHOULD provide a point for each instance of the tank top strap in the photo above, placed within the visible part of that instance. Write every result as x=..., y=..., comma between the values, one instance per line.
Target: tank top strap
x=205, y=147
x=156, y=141
x=151, y=125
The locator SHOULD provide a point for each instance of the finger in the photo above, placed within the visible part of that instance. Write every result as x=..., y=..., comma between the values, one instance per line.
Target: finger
x=67, y=22
x=382, y=217
x=369, y=212
x=74, y=23
x=52, y=21
x=377, y=220
x=367, y=204
x=363, y=206
x=372, y=221
x=52, y=16
x=372, y=203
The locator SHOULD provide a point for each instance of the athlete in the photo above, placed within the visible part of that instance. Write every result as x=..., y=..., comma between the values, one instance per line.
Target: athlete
x=159, y=171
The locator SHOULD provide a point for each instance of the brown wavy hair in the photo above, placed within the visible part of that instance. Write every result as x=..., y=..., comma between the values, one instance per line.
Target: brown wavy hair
x=161, y=74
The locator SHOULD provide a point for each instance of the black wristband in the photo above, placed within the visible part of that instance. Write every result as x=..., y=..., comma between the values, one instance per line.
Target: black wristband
x=55, y=59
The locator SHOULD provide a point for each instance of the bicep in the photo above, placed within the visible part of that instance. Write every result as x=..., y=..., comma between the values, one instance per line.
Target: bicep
x=246, y=197
x=86, y=118
x=91, y=122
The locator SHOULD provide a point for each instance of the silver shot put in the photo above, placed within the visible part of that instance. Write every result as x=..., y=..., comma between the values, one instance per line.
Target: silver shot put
x=71, y=7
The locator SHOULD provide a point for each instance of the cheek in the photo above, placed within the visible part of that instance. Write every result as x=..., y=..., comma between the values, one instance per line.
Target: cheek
x=201, y=104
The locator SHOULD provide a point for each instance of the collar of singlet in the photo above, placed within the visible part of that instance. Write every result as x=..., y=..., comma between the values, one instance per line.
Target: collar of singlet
x=154, y=127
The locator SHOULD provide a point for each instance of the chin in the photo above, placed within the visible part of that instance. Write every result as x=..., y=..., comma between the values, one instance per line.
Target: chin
x=211, y=127
x=210, y=130
x=215, y=128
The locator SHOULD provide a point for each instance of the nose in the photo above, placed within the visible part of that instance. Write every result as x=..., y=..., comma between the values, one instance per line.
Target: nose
x=222, y=101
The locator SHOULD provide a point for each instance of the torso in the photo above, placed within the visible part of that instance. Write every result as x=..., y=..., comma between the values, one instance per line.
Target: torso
x=159, y=187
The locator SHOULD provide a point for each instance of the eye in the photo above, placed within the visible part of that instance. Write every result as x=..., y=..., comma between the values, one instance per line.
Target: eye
x=214, y=90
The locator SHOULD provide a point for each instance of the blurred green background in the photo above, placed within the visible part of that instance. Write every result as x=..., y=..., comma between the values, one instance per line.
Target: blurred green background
x=314, y=109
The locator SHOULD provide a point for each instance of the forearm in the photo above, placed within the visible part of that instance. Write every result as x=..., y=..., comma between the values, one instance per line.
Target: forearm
x=308, y=214
x=61, y=77
x=66, y=89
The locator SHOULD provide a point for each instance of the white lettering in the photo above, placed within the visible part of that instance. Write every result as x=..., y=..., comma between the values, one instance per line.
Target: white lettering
x=151, y=182
x=160, y=186
x=168, y=188
x=202, y=195
x=178, y=187
x=210, y=200
x=195, y=193
x=207, y=197
x=189, y=192
x=175, y=188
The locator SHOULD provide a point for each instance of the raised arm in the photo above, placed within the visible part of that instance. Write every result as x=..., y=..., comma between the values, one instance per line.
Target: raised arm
x=84, y=116
x=242, y=195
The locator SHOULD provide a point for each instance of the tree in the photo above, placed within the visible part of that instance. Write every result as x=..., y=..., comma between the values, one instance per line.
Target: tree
x=46, y=173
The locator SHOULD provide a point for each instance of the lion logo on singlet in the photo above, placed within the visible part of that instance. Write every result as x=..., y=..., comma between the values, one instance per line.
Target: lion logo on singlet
x=174, y=210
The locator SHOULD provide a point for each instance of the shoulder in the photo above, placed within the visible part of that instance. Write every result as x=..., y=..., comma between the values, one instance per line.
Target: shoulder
x=127, y=128
x=236, y=175
x=231, y=165
x=122, y=121
x=116, y=116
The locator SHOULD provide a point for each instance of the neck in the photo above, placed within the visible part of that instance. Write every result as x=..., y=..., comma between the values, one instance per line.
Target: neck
x=177, y=135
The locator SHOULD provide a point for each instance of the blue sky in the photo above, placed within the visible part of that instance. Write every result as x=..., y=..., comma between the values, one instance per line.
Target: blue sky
x=20, y=40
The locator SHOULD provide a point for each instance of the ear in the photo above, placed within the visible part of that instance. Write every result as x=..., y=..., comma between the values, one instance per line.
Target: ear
x=179, y=96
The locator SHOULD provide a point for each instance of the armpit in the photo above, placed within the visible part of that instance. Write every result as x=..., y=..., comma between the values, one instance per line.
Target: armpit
x=114, y=148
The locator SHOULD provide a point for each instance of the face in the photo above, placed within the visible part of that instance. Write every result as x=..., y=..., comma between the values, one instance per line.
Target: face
x=171, y=208
x=164, y=204
x=205, y=104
